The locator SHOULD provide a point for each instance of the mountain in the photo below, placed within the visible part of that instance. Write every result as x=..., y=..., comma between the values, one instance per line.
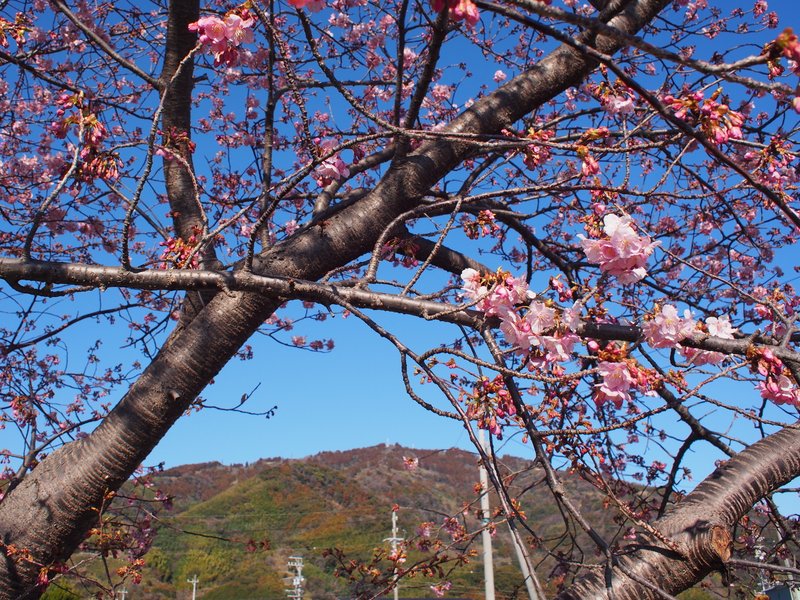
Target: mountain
x=235, y=527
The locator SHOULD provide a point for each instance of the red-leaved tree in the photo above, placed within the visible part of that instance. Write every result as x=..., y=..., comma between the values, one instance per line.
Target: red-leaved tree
x=600, y=197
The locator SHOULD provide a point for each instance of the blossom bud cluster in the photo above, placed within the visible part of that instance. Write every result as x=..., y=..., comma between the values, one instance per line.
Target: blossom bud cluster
x=789, y=46
x=717, y=120
x=95, y=163
x=490, y=404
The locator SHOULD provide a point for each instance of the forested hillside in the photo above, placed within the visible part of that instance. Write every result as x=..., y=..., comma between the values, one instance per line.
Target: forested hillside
x=235, y=526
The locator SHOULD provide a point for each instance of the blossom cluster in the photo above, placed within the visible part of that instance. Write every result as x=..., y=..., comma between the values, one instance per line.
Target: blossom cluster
x=718, y=121
x=533, y=326
x=224, y=36
x=331, y=168
x=177, y=252
x=410, y=463
x=484, y=225
x=537, y=154
x=621, y=252
x=15, y=30
x=775, y=164
x=778, y=385
x=615, y=384
x=440, y=589
x=491, y=404
x=495, y=294
x=95, y=163
x=667, y=329
x=460, y=10
x=789, y=46
x=616, y=99
x=312, y=5
x=620, y=375
x=547, y=335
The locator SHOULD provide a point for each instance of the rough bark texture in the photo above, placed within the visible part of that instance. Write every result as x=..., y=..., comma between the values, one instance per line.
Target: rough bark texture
x=50, y=511
x=177, y=115
x=700, y=526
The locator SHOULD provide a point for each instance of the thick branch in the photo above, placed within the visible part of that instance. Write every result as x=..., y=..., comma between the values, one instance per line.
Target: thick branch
x=281, y=288
x=701, y=525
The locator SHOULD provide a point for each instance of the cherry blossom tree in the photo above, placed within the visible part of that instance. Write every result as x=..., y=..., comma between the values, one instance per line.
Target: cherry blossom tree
x=600, y=197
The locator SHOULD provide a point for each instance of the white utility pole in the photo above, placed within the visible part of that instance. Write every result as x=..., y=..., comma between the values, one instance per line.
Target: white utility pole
x=486, y=537
x=296, y=591
x=394, y=541
x=123, y=592
x=522, y=557
x=194, y=581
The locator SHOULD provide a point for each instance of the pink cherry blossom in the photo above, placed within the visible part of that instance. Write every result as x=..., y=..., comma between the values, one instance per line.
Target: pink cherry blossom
x=780, y=389
x=440, y=589
x=558, y=348
x=238, y=30
x=312, y=5
x=589, y=166
x=621, y=253
x=210, y=29
x=223, y=36
x=517, y=331
x=460, y=10
x=332, y=168
x=616, y=384
x=618, y=105
x=718, y=327
x=410, y=463
x=667, y=329
x=501, y=298
x=541, y=317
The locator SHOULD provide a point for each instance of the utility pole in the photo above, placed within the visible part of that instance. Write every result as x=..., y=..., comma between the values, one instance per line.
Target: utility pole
x=393, y=541
x=523, y=564
x=486, y=537
x=296, y=591
x=123, y=592
x=194, y=581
